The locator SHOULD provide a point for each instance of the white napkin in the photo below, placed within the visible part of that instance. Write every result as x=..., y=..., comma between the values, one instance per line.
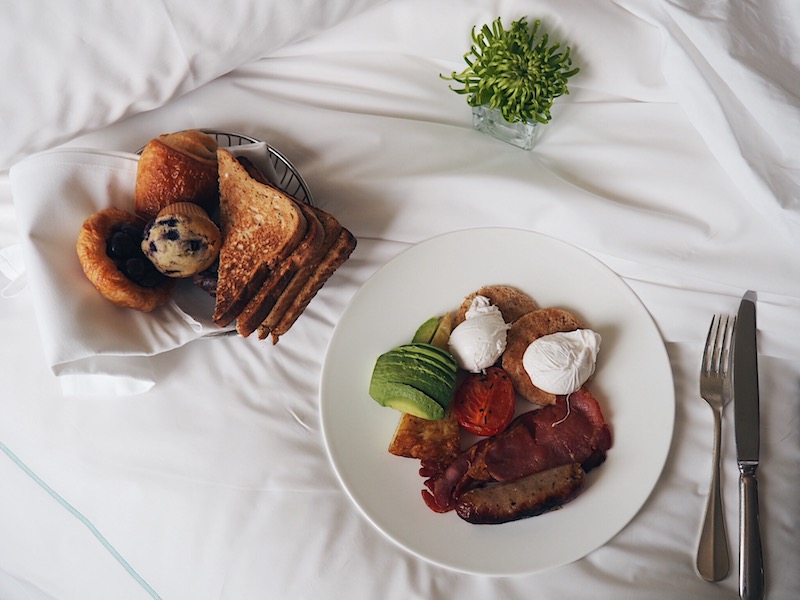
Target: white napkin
x=93, y=346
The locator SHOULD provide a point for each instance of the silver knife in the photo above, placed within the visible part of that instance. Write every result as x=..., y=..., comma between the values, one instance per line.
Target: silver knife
x=746, y=422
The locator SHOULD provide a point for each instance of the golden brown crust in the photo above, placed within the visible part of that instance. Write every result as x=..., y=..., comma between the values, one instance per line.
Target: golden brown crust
x=331, y=229
x=267, y=297
x=104, y=274
x=512, y=302
x=340, y=251
x=261, y=226
x=525, y=330
x=177, y=167
x=438, y=441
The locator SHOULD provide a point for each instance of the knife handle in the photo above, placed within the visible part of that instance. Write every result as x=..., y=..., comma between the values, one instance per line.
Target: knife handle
x=751, y=565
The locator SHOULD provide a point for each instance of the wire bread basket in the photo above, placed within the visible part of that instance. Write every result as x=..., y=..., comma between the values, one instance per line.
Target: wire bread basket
x=284, y=176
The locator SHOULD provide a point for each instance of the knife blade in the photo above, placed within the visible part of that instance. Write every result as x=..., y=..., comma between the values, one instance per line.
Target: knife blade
x=746, y=424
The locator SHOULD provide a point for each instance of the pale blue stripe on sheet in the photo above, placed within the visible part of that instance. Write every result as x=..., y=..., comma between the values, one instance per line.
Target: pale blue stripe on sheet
x=15, y=459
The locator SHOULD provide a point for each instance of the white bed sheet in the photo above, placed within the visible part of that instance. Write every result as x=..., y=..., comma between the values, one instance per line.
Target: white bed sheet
x=215, y=484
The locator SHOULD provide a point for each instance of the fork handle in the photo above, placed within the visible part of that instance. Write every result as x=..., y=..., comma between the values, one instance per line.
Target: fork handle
x=751, y=565
x=713, y=561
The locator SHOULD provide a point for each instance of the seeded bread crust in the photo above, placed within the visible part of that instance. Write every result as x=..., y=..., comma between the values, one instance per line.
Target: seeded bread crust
x=331, y=230
x=525, y=330
x=261, y=226
x=340, y=251
x=265, y=300
x=512, y=302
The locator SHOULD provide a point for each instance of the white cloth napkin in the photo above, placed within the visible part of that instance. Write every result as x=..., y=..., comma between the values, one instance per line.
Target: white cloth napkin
x=93, y=346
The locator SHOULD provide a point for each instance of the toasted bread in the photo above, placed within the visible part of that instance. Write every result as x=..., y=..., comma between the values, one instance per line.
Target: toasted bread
x=261, y=226
x=512, y=302
x=337, y=254
x=264, y=301
x=331, y=229
x=525, y=330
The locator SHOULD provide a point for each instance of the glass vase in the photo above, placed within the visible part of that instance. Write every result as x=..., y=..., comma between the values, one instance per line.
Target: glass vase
x=491, y=122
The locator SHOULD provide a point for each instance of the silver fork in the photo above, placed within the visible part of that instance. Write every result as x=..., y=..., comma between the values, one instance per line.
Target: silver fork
x=713, y=562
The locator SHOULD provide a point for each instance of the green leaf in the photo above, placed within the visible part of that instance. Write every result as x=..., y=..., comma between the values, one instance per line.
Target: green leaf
x=514, y=69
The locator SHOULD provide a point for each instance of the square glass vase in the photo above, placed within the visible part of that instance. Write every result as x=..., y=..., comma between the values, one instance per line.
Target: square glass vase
x=491, y=122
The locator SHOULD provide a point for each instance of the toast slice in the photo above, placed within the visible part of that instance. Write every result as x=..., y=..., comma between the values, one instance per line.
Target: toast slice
x=261, y=226
x=306, y=251
x=331, y=229
x=339, y=252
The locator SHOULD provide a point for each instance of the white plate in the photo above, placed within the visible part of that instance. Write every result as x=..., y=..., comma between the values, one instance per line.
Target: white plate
x=633, y=384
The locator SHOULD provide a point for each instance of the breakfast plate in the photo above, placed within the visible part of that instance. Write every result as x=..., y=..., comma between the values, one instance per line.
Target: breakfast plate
x=633, y=384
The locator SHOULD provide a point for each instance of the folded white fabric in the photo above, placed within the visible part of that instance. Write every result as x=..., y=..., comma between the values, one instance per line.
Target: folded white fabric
x=94, y=346
x=734, y=72
x=12, y=267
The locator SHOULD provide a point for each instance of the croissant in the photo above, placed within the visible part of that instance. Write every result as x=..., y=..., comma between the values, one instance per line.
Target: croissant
x=177, y=167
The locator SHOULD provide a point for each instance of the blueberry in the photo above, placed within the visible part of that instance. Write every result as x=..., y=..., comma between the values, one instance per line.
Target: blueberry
x=121, y=245
x=149, y=280
x=134, y=268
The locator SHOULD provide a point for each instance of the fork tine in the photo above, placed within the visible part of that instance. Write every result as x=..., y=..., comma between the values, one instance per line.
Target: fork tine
x=716, y=366
x=711, y=339
x=727, y=344
x=716, y=357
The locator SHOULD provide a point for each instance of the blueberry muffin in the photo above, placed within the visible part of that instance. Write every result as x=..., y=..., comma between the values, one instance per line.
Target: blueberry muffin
x=182, y=240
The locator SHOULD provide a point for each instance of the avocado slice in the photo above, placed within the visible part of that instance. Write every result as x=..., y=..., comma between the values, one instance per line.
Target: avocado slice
x=444, y=358
x=408, y=399
x=433, y=385
x=408, y=364
x=442, y=334
x=417, y=378
x=426, y=331
x=438, y=386
x=422, y=361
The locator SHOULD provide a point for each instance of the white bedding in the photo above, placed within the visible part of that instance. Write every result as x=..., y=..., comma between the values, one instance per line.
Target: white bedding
x=673, y=160
x=71, y=69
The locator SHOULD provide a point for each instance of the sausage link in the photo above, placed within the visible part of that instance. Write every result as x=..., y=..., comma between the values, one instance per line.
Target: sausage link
x=525, y=497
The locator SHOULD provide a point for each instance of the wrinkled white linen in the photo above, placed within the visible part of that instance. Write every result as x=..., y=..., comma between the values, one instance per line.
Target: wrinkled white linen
x=734, y=67
x=216, y=484
x=72, y=68
x=93, y=346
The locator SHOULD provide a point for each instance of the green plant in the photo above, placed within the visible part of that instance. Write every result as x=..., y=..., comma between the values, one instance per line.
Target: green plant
x=510, y=70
